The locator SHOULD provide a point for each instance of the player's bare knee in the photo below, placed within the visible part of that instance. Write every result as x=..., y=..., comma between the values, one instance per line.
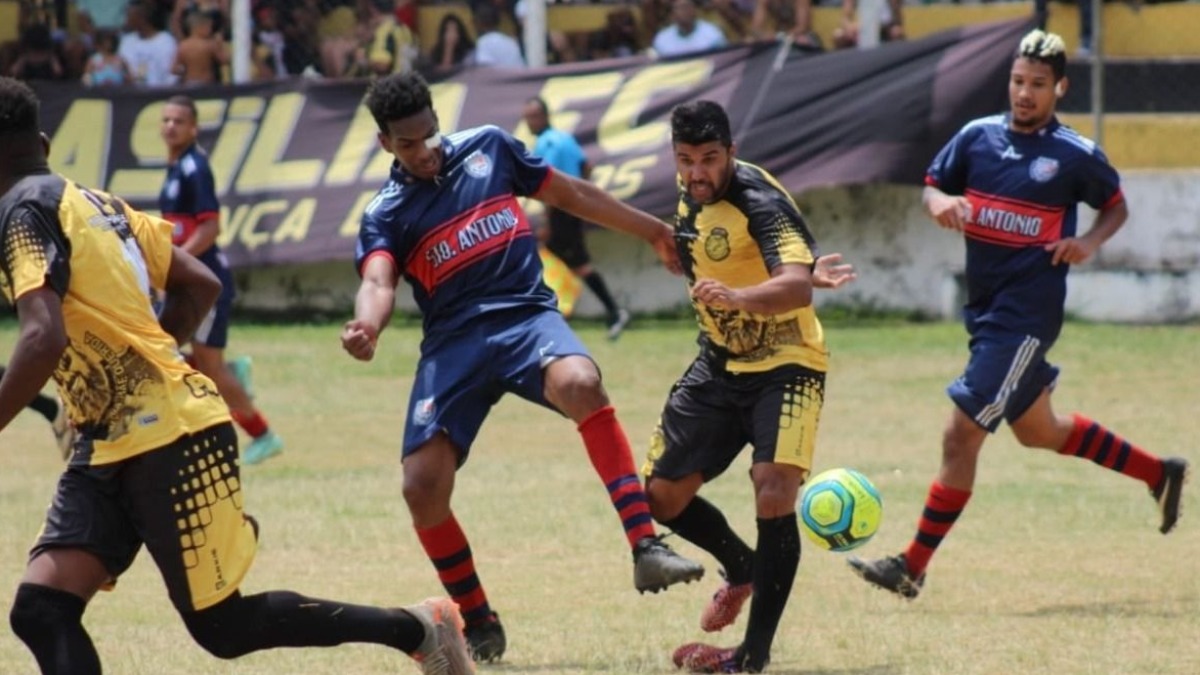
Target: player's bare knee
x=661, y=498
x=577, y=391
x=776, y=488
x=421, y=492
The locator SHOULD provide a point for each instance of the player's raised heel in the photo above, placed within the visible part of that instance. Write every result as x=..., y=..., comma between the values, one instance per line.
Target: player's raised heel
x=1169, y=491
x=890, y=574
x=656, y=566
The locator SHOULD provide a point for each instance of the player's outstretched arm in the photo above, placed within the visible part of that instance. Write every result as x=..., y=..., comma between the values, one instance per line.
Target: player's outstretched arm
x=191, y=289
x=40, y=343
x=373, y=307
x=585, y=200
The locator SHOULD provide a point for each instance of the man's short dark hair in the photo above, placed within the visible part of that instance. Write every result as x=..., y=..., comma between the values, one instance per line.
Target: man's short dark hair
x=700, y=122
x=184, y=102
x=397, y=96
x=18, y=108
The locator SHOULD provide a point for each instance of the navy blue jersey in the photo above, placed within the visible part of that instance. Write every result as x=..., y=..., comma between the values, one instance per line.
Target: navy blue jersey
x=462, y=241
x=1023, y=190
x=189, y=196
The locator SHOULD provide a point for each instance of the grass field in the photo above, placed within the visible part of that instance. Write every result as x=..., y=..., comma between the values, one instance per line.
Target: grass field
x=1056, y=567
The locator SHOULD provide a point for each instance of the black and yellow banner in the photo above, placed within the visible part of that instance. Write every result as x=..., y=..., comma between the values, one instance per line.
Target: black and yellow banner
x=295, y=162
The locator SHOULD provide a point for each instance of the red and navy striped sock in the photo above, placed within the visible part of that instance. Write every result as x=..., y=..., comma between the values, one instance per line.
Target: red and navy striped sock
x=447, y=548
x=608, y=449
x=1091, y=440
x=943, y=506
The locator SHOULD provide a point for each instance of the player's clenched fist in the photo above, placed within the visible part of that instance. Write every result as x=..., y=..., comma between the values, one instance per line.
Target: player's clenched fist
x=358, y=339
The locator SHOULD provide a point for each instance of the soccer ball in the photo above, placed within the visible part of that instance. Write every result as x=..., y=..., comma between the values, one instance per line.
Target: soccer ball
x=840, y=509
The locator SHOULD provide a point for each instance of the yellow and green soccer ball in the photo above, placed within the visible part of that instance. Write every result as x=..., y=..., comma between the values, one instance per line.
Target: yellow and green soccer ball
x=840, y=509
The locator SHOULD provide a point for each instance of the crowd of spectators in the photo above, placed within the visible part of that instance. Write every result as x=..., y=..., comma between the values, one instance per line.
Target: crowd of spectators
x=185, y=42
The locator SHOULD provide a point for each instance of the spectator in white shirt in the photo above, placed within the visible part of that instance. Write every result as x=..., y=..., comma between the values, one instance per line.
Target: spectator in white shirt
x=687, y=34
x=148, y=51
x=494, y=48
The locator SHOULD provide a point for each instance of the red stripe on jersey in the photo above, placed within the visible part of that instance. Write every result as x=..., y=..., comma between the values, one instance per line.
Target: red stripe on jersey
x=545, y=181
x=185, y=224
x=379, y=253
x=456, y=244
x=1010, y=222
x=1114, y=200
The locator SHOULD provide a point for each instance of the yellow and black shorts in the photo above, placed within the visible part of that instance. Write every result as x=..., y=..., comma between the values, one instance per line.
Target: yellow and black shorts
x=712, y=414
x=183, y=501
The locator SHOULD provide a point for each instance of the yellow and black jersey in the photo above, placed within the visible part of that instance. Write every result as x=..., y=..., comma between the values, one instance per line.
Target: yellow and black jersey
x=125, y=385
x=754, y=228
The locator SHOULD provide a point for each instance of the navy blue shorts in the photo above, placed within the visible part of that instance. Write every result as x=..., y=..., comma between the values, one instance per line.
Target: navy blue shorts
x=460, y=378
x=1004, y=376
x=214, y=330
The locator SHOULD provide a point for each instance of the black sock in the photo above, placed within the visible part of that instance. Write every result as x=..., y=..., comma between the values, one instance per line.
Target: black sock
x=243, y=624
x=49, y=622
x=45, y=405
x=775, y=562
x=596, y=282
x=705, y=526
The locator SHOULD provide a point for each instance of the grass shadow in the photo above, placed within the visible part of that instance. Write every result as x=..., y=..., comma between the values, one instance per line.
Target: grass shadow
x=1178, y=608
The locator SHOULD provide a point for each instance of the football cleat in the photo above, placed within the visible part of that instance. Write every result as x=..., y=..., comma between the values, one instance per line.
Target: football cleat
x=890, y=574
x=486, y=640
x=725, y=606
x=1167, y=493
x=656, y=566
x=444, y=650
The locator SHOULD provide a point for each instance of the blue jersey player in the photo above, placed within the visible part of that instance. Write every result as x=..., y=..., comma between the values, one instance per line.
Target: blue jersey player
x=188, y=200
x=1010, y=183
x=448, y=221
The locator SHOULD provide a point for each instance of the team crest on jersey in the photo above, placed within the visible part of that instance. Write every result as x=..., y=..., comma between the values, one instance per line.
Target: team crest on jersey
x=716, y=245
x=1043, y=169
x=424, y=410
x=172, y=188
x=479, y=165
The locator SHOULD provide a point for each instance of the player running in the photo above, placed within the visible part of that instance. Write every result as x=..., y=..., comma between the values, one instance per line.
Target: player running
x=1010, y=183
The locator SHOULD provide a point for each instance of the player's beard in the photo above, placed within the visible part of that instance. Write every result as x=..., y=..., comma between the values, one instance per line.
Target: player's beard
x=711, y=192
x=1028, y=120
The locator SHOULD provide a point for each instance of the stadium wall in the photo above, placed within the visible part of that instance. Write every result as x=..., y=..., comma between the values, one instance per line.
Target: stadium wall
x=1148, y=273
